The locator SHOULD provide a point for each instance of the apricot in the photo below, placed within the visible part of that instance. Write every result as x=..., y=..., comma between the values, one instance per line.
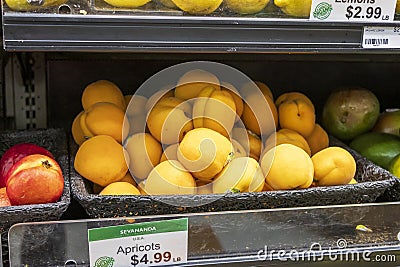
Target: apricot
x=157, y=96
x=214, y=109
x=129, y=179
x=236, y=98
x=297, y=115
x=287, y=166
x=260, y=114
x=102, y=91
x=170, y=153
x=242, y=174
x=192, y=82
x=169, y=120
x=250, y=142
x=170, y=178
x=135, y=105
x=293, y=96
x=205, y=152
x=106, y=118
x=204, y=187
x=333, y=166
x=120, y=189
x=77, y=132
x=101, y=159
x=318, y=139
x=248, y=88
x=287, y=136
x=144, y=153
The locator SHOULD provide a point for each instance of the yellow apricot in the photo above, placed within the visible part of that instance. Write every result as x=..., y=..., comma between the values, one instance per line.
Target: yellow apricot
x=120, y=189
x=236, y=97
x=129, y=179
x=204, y=152
x=101, y=159
x=287, y=136
x=108, y=119
x=144, y=153
x=333, y=166
x=250, y=141
x=192, y=82
x=170, y=153
x=214, y=109
x=135, y=105
x=77, y=132
x=293, y=96
x=170, y=178
x=287, y=166
x=297, y=115
x=260, y=114
x=318, y=139
x=102, y=91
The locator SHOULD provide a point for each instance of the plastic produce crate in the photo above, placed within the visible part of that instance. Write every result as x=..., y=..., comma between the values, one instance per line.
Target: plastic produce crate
x=373, y=180
x=56, y=141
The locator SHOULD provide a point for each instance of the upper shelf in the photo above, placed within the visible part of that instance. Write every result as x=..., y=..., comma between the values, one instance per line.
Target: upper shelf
x=97, y=27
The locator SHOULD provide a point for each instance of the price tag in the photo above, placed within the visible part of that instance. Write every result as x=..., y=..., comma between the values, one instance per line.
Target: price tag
x=353, y=10
x=141, y=244
x=381, y=37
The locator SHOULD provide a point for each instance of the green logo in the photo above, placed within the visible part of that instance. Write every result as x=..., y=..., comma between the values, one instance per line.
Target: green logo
x=322, y=11
x=104, y=261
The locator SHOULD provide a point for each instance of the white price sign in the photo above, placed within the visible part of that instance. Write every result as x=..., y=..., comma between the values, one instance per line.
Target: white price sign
x=353, y=10
x=381, y=37
x=141, y=244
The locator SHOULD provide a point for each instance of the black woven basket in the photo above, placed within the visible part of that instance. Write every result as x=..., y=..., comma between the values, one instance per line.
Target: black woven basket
x=56, y=141
x=373, y=182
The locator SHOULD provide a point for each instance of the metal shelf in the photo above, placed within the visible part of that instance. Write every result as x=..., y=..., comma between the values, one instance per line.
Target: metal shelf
x=324, y=235
x=124, y=33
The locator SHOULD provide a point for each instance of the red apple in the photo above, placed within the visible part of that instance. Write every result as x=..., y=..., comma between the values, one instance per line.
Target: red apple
x=35, y=179
x=14, y=154
x=4, y=200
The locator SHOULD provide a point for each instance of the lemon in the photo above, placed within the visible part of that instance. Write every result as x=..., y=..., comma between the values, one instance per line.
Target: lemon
x=127, y=3
x=295, y=8
x=246, y=6
x=198, y=7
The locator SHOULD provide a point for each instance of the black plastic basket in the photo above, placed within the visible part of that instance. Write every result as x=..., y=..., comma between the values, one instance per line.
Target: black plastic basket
x=373, y=182
x=56, y=141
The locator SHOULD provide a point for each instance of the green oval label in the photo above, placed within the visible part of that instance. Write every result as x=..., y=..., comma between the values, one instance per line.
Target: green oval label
x=104, y=261
x=322, y=11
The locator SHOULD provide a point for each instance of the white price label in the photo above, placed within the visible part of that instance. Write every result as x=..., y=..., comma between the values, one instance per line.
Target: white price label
x=381, y=37
x=353, y=10
x=141, y=244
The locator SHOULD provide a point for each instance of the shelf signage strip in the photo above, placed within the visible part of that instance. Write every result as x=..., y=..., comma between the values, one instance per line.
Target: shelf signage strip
x=377, y=37
x=377, y=11
x=157, y=243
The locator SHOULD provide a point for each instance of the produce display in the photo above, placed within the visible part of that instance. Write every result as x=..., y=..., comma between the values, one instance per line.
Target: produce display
x=29, y=174
x=204, y=136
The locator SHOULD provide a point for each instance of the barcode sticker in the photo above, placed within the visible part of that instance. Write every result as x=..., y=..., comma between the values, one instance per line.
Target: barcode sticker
x=381, y=37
